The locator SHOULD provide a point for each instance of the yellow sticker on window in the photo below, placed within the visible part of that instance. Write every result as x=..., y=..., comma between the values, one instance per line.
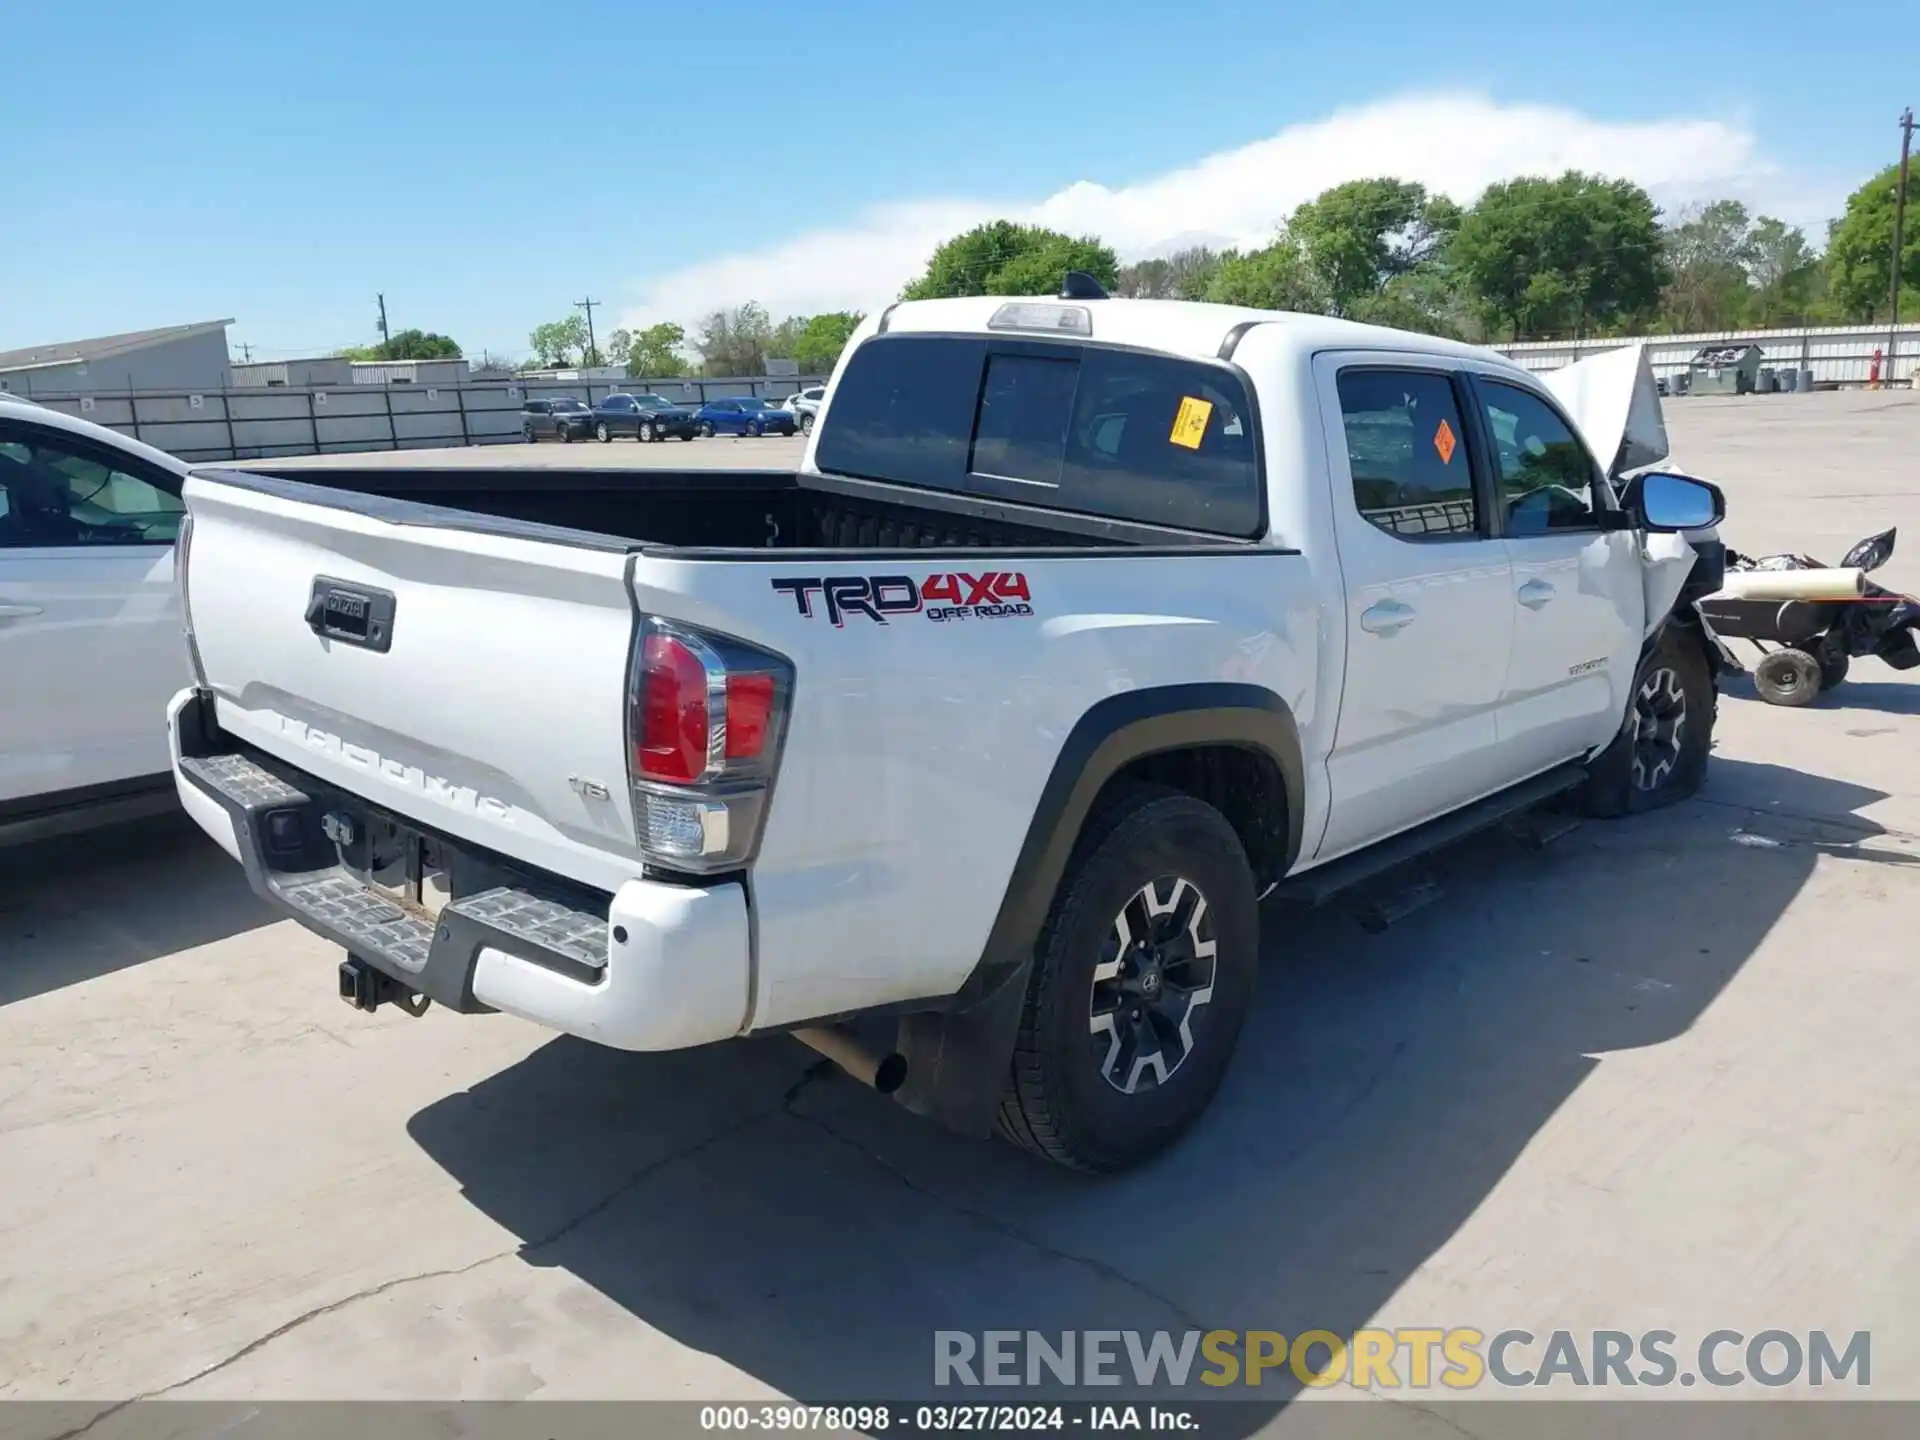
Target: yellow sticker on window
x=1190, y=423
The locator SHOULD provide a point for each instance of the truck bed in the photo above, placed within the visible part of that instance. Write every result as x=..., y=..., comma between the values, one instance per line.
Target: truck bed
x=710, y=510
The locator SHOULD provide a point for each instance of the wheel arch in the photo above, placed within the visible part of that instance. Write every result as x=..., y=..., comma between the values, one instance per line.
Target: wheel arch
x=1235, y=746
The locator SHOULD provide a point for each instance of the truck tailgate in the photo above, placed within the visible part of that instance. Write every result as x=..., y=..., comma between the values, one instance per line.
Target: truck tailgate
x=493, y=706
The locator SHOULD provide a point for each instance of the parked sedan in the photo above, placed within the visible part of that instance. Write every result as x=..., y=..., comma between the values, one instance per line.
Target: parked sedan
x=563, y=418
x=745, y=415
x=645, y=417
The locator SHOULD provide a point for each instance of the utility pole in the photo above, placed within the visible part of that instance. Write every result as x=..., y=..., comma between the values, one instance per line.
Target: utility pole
x=1899, y=224
x=587, y=305
x=246, y=353
x=384, y=337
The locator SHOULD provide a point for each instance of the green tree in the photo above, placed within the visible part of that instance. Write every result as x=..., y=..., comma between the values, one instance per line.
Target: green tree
x=1003, y=258
x=558, y=342
x=619, y=346
x=1786, y=274
x=1860, y=247
x=1277, y=277
x=406, y=345
x=655, y=351
x=1360, y=236
x=734, y=342
x=1710, y=254
x=822, y=339
x=1183, y=275
x=1580, y=255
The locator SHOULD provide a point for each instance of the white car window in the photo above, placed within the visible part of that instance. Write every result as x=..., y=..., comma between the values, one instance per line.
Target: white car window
x=53, y=493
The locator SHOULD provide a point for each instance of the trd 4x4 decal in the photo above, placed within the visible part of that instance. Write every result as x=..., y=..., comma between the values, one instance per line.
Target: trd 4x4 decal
x=989, y=596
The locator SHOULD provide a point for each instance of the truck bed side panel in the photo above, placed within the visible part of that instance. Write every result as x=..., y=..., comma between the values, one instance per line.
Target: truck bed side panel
x=919, y=747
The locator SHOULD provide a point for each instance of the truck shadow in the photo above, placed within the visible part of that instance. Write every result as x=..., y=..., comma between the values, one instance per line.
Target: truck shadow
x=83, y=906
x=1385, y=1084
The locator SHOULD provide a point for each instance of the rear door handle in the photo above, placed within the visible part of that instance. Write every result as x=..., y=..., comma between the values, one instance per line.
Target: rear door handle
x=1535, y=593
x=1386, y=617
x=17, y=612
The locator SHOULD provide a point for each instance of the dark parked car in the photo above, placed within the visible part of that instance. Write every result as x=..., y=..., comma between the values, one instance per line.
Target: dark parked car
x=745, y=415
x=565, y=419
x=645, y=417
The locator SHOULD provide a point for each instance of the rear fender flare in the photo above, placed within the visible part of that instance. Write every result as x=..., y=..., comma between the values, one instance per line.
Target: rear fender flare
x=957, y=1056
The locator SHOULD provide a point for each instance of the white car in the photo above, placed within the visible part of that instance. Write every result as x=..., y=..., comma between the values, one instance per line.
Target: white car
x=90, y=639
x=806, y=405
x=1079, y=628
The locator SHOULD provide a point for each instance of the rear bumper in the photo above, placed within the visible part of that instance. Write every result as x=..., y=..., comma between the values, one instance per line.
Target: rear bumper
x=654, y=966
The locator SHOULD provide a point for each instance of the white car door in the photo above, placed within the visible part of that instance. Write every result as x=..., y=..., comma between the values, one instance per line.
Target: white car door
x=1429, y=599
x=90, y=640
x=1578, y=622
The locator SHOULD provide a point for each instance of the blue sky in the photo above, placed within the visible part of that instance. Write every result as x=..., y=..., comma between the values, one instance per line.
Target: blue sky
x=485, y=166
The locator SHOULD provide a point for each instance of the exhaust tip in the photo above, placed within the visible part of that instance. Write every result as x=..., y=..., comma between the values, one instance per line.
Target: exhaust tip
x=890, y=1074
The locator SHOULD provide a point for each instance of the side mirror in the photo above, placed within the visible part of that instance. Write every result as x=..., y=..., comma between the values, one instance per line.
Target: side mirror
x=1666, y=504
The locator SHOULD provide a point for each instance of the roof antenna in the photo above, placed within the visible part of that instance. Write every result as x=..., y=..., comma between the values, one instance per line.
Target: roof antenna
x=1079, y=285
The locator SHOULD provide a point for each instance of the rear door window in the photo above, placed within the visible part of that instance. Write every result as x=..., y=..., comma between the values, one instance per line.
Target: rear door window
x=1132, y=436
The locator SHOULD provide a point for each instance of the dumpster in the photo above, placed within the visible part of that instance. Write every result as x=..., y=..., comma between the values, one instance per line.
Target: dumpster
x=1724, y=370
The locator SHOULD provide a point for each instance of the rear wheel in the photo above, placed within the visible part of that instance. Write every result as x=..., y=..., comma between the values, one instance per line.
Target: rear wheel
x=706, y=428
x=806, y=424
x=1142, y=978
x=1787, y=677
x=601, y=433
x=1661, y=753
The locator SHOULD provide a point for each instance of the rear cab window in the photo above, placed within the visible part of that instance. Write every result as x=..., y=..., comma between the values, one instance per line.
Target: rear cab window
x=1407, y=451
x=1129, y=435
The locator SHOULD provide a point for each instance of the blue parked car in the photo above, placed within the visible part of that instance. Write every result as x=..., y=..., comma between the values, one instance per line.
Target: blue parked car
x=745, y=415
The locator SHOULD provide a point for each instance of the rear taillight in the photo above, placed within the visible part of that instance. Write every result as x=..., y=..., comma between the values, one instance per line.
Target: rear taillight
x=705, y=720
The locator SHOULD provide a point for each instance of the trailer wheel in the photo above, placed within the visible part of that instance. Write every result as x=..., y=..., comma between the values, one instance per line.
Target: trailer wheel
x=1143, y=975
x=1787, y=677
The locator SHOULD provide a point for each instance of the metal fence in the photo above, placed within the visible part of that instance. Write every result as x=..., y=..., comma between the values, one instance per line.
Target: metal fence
x=1837, y=355
x=260, y=423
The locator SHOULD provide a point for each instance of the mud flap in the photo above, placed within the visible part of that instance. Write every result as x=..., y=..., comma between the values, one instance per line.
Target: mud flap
x=957, y=1060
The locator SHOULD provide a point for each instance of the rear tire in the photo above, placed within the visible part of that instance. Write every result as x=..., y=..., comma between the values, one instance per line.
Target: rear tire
x=1666, y=739
x=1143, y=976
x=806, y=424
x=1787, y=677
x=602, y=434
x=706, y=429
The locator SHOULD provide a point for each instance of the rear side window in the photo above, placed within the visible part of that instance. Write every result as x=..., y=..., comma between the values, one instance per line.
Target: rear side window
x=1408, y=454
x=1131, y=436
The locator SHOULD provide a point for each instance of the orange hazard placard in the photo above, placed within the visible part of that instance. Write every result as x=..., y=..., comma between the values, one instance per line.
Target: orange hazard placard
x=1444, y=442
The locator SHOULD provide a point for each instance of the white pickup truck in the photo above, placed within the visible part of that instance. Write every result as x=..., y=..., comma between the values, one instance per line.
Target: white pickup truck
x=1085, y=624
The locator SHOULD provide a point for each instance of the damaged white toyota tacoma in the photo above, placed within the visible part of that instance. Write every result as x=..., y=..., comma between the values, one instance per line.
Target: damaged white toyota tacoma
x=1085, y=624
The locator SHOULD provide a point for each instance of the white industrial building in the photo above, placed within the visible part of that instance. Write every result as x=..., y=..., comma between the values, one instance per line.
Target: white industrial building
x=175, y=357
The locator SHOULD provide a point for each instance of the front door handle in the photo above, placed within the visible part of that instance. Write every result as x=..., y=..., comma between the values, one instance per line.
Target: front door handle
x=1386, y=617
x=1535, y=593
x=17, y=612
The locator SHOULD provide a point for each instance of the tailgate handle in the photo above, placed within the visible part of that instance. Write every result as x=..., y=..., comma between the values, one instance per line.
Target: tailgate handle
x=351, y=614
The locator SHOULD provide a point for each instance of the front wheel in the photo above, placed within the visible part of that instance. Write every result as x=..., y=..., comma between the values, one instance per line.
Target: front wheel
x=646, y=432
x=526, y=434
x=753, y=429
x=565, y=432
x=1142, y=978
x=1660, y=755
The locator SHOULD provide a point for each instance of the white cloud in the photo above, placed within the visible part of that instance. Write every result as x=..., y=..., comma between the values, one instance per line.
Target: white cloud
x=1454, y=144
